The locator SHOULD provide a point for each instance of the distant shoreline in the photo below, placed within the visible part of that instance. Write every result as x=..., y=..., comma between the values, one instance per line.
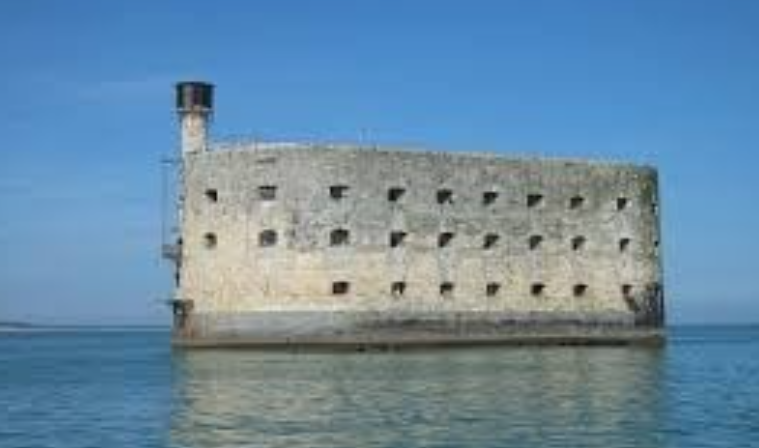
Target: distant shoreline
x=27, y=327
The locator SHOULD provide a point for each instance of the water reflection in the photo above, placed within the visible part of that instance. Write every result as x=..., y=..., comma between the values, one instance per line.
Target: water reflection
x=458, y=398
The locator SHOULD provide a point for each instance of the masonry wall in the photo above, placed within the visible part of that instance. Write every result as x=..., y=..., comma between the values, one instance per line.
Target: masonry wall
x=587, y=232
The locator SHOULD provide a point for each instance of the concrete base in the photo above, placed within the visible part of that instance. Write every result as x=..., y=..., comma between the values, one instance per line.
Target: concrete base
x=366, y=331
x=649, y=338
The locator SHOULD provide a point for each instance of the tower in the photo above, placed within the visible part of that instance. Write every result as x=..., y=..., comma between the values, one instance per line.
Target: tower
x=195, y=106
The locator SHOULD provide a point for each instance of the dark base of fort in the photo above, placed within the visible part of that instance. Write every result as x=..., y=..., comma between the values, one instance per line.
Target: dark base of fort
x=627, y=337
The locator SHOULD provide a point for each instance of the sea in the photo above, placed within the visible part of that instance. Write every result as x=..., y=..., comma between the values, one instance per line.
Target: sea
x=127, y=388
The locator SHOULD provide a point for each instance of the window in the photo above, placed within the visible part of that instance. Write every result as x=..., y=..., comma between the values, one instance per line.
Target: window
x=534, y=199
x=210, y=240
x=578, y=243
x=627, y=291
x=444, y=239
x=489, y=197
x=212, y=195
x=624, y=244
x=622, y=203
x=267, y=192
x=490, y=240
x=444, y=197
x=537, y=289
x=491, y=289
x=655, y=208
x=535, y=241
x=340, y=288
x=397, y=238
x=446, y=289
x=339, y=237
x=579, y=290
x=338, y=192
x=267, y=238
x=398, y=289
x=576, y=202
x=395, y=194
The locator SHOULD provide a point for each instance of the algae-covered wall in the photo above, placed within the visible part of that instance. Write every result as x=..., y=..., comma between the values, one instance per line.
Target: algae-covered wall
x=323, y=231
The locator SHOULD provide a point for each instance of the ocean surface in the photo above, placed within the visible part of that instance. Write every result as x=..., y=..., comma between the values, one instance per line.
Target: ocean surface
x=115, y=389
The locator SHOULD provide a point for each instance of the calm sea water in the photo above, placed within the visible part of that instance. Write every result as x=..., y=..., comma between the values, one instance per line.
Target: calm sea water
x=127, y=389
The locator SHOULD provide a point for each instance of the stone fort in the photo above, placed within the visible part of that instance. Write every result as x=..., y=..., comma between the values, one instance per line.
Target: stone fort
x=312, y=244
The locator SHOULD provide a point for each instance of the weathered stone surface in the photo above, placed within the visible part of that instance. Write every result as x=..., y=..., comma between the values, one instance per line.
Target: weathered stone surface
x=288, y=286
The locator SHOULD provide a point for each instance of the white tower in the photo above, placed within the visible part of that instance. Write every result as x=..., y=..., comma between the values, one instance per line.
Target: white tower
x=195, y=107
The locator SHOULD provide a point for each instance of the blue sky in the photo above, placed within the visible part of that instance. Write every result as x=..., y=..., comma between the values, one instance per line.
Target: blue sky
x=87, y=114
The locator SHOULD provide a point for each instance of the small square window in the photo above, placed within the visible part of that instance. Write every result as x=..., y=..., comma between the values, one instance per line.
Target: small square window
x=267, y=192
x=622, y=203
x=339, y=237
x=444, y=239
x=395, y=194
x=627, y=291
x=397, y=238
x=398, y=289
x=490, y=241
x=210, y=240
x=535, y=241
x=444, y=197
x=537, y=289
x=579, y=290
x=340, y=288
x=212, y=195
x=492, y=289
x=338, y=192
x=534, y=200
x=578, y=243
x=446, y=289
x=489, y=197
x=267, y=238
x=624, y=244
x=576, y=202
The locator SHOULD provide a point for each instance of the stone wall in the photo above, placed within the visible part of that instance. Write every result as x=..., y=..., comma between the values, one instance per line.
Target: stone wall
x=306, y=231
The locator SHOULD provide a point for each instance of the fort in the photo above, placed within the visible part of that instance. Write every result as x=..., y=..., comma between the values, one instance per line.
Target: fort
x=350, y=246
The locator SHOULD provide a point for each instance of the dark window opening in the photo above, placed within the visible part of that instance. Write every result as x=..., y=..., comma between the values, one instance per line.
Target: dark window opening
x=576, y=202
x=490, y=240
x=537, y=289
x=579, y=290
x=340, y=288
x=444, y=197
x=489, y=197
x=212, y=195
x=210, y=240
x=267, y=238
x=627, y=291
x=267, y=192
x=533, y=200
x=446, y=289
x=395, y=194
x=491, y=289
x=578, y=243
x=624, y=244
x=398, y=289
x=622, y=203
x=397, y=238
x=339, y=237
x=655, y=208
x=535, y=241
x=338, y=191
x=444, y=239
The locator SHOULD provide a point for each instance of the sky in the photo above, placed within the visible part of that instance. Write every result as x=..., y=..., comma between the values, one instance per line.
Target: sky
x=87, y=115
